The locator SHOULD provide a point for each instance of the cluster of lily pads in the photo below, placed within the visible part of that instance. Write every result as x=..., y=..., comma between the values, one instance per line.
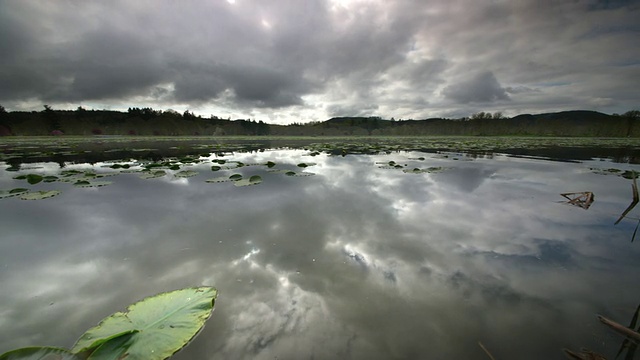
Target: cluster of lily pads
x=627, y=174
x=392, y=165
x=145, y=170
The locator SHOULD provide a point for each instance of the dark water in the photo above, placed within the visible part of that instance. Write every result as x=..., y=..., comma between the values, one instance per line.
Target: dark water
x=354, y=262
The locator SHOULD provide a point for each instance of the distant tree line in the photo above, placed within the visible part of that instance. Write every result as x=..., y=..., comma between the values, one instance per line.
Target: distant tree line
x=148, y=121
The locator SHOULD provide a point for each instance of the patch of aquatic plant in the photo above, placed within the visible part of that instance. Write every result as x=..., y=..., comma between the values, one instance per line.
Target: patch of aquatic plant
x=627, y=174
x=31, y=178
x=152, y=174
x=270, y=164
x=91, y=184
x=186, y=174
x=253, y=180
x=39, y=195
x=304, y=165
x=11, y=193
x=154, y=328
x=630, y=174
x=389, y=165
x=300, y=174
x=429, y=170
x=219, y=179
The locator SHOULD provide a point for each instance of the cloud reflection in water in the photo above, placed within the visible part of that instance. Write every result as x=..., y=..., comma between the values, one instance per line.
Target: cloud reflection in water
x=355, y=262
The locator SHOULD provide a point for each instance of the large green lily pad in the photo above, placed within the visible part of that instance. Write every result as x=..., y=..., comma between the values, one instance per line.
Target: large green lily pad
x=158, y=326
x=39, y=353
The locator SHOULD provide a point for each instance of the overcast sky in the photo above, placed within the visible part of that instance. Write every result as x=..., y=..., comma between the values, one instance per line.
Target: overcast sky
x=299, y=60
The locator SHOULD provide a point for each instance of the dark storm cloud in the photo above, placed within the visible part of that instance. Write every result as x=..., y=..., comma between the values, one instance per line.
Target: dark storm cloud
x=409, y=58
x=483, y=87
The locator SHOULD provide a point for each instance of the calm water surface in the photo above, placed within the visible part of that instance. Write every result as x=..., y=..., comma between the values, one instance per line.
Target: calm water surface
x=359, y=261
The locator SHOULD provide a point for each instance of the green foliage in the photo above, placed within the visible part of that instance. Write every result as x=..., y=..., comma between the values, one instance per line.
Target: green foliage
x=40, y=353
x=152, y=329
x=39, y=195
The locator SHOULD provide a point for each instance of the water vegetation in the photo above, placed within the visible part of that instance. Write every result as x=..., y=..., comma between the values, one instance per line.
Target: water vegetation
x=152, y=329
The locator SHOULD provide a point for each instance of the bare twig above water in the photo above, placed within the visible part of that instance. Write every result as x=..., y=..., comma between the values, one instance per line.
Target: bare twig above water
x=584, y=355
x=634, y=202
x=582, y=199
x=486, y=351
x=629, y=333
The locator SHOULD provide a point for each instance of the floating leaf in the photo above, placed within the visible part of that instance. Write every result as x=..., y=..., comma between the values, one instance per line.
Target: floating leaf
x=215, y=168
x=630, y=174
x=421, y=171
x=50, y=178
x=70, y=172
x=174, y=167
x=302, y=174
x=153, y=175
x=39, y=353
x=91, y=184
x=218, y=179
x=254, y=180
x=158, y=326
x=38, y=195
x=415, y=171
x=12, y=192
x=235, y=177
x=270, y=164
x=186, y=174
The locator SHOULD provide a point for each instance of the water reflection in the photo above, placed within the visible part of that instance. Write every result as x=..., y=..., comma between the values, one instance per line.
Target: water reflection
x=355, y=262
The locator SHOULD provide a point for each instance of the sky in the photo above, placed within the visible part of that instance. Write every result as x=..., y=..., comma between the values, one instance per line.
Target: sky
x=285, y=61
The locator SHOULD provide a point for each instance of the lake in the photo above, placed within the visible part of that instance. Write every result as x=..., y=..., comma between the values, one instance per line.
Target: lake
x=390, y=249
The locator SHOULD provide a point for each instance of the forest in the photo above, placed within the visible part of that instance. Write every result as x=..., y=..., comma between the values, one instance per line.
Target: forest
x=150, y=122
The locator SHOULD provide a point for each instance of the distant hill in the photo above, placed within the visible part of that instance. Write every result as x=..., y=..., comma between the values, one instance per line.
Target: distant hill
x=151, y=122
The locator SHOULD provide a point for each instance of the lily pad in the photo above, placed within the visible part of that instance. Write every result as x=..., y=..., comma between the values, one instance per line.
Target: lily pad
x=153, y=174
x=12, y=192
x=215, y=168
x=158, y=326
x=421, y=171
x=220, y=179
x=301, y=174
x=235, y=177
x=39, y=353
x=31, y=178
x=630, y=174
x=186, y=174
x=254, y=180
x=91, y=184
x=39, y=195
x=270, y=164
